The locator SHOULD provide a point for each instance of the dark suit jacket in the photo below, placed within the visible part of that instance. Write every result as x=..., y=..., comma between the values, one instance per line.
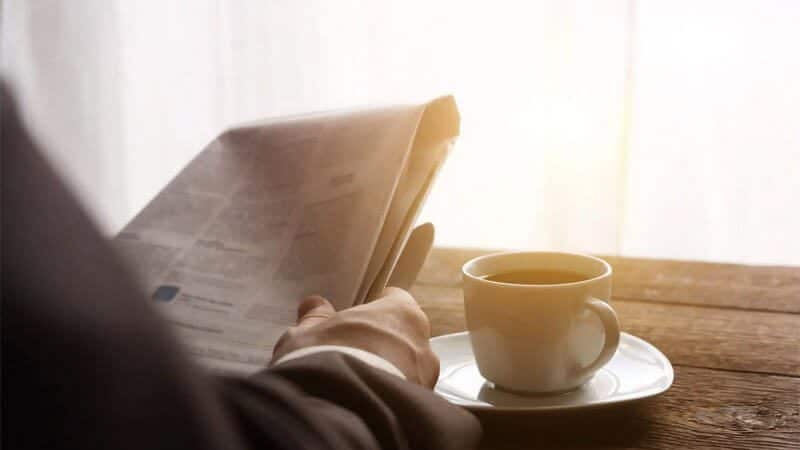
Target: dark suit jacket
x=88, y=364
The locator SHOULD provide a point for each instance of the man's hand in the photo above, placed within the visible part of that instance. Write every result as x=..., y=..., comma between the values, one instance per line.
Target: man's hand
x=392, y=327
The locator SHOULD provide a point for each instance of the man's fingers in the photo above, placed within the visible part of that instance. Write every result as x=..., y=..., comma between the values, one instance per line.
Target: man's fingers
x=309, y=303
x=313, y=310
x=405, y=308
x=398, y=293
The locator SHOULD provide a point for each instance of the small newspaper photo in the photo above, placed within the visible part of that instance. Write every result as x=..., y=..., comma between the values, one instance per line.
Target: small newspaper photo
x=273, y=211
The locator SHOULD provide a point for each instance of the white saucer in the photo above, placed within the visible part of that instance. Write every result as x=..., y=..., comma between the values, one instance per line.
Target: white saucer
x=638, y=370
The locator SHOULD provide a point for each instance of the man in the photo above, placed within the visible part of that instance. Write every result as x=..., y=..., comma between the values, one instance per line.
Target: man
x=88, y=364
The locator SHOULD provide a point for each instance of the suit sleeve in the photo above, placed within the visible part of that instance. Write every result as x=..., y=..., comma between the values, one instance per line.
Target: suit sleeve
x=348, y=403
x=87, y=363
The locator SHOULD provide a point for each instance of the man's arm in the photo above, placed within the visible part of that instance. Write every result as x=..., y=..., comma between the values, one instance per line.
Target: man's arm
x=348, y=404
x=88, y=363
x=390, y=333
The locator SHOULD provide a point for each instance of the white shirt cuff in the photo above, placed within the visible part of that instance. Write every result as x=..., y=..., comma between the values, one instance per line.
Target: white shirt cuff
x=362, y=355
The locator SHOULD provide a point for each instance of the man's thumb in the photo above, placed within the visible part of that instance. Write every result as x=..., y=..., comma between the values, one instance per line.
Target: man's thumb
x=313, y=310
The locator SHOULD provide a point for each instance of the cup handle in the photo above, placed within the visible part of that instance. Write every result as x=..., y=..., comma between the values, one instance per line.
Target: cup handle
x=611, y=325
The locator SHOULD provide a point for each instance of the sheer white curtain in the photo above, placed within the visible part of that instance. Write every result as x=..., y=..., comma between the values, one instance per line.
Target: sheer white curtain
x=714, y=170
x=664, y=129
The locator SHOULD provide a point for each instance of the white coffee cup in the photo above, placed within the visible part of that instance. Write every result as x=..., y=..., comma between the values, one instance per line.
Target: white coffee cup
x=540, y=338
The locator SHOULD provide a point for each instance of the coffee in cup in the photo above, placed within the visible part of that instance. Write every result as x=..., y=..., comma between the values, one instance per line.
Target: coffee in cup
x=536, y=276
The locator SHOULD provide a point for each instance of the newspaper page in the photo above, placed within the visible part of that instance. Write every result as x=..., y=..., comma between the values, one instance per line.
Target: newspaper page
x=436, y=134
x=265, y=215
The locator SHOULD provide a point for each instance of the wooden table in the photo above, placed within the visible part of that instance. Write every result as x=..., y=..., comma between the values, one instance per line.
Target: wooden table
x=732, y=333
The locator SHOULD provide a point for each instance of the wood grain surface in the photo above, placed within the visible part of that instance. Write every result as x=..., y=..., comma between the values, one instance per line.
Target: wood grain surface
x=693, y=283
x=731, y=331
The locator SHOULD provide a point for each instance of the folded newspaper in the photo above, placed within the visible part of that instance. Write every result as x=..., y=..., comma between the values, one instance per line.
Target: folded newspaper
x=272, y=211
